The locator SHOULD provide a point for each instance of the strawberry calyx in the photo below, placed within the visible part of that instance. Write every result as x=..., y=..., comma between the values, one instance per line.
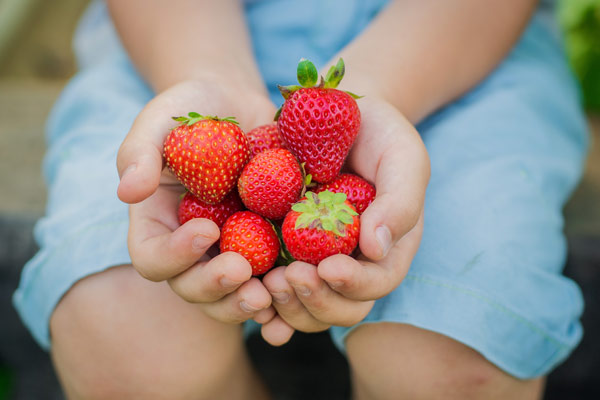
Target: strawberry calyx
x=308, y=76
x=194, y=117
x=327, y=211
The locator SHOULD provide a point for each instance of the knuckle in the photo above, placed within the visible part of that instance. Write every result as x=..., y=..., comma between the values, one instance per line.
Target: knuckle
x=148, y=273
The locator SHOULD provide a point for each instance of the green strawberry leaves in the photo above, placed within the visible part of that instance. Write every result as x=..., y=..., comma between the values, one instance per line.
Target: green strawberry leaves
x=194, y=117
x=307, y=73
x=335, y=74
x=308, y=77
x=327, y=211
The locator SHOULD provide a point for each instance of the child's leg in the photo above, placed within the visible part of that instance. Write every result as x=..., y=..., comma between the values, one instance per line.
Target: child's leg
x=116, y=335
x=399, y=361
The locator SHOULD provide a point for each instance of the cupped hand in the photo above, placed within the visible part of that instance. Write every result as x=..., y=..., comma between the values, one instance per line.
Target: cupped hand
x=160, y=248
x=341, y=290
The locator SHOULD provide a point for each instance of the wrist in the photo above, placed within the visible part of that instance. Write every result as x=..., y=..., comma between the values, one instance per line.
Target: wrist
x=374, y=87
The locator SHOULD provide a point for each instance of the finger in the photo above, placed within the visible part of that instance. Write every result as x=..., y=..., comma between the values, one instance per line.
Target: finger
x=277, y=332
x=139, y=160
x=398, y=164
x=265, y=316
x=212, y=280
x=158, y=246
x=287, y=304
x=364, y=280
x=321, y=301
x=241, y=305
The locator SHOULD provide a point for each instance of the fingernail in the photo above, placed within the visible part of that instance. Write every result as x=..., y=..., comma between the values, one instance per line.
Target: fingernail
x=302, y=290
x=384, y=237
x=129, y=170
x=228, y=283
x=247, y=307
x=201, y=242
x=281, y=297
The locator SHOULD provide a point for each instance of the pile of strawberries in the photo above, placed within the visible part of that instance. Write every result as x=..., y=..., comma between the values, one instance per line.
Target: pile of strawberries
x=276, y=192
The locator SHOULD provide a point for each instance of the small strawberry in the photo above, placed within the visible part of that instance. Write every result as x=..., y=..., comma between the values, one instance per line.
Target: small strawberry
x=265, y=137
x=253, y=237
x=192, y=207
x=271, y=183
x=360, y=192
x=207, y=155
x=319, y=226
x=319, y=123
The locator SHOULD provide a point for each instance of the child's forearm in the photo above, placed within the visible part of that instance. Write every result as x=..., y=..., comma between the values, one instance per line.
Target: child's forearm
x=177, y=40
x=421, y=54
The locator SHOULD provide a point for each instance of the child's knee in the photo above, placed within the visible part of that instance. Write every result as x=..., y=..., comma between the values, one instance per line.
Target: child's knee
x=116, y=336
x=391, y=361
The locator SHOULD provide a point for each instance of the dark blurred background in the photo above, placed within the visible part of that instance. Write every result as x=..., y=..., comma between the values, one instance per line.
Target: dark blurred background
x=35, y=63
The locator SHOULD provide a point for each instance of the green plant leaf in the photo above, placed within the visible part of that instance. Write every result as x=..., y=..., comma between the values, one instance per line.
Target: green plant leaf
x=339, y=198
x=345, y=217
x=307, y=73
x=326, y=196
x=287, y=91
x=335, y=74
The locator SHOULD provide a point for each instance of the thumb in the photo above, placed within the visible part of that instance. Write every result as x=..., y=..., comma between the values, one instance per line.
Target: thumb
x=139, y=163
x=390, y=153
x=385, y=222
x=401, y=181
x=139, y=160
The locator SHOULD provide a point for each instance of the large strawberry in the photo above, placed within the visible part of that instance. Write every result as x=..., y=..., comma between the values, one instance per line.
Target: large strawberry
x=319, y=226
x=192, y=207
x=207, y=155
x=253, y=237
x=264, y=137
x=271, y=183
x=360, y=192
x=319, y=123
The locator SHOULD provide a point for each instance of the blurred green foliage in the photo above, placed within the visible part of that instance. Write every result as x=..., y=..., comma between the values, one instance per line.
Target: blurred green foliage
x=5, y=383
x=580, y=20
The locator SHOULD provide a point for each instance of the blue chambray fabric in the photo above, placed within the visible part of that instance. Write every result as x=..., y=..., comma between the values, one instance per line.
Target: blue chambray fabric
x=504, y=157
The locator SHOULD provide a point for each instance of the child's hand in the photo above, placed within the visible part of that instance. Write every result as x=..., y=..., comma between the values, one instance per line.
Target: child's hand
x=341, y=290
x=160, y=249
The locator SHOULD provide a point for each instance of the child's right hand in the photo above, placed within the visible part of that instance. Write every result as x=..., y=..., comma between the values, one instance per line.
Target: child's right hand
x=160, y=248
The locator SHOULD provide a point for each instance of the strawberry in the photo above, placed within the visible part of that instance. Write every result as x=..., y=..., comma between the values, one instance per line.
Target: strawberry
x=271, y=183
x=319, y=226
x=192, y=207
x=253, y=237
x=360, y=192
x=264, y=137
x=207, y=155
x=319, y=123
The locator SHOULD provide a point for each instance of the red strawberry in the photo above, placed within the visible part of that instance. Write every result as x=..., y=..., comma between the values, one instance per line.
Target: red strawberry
x=192, y=207
x=253, y=237
x=319, y=123
x=207, y=155
x=320, y=226
x=265, y=137
x=360, y=192
x=271, y=183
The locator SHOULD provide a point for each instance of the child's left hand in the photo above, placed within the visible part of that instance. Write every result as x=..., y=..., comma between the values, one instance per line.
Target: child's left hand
x=341, y=290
